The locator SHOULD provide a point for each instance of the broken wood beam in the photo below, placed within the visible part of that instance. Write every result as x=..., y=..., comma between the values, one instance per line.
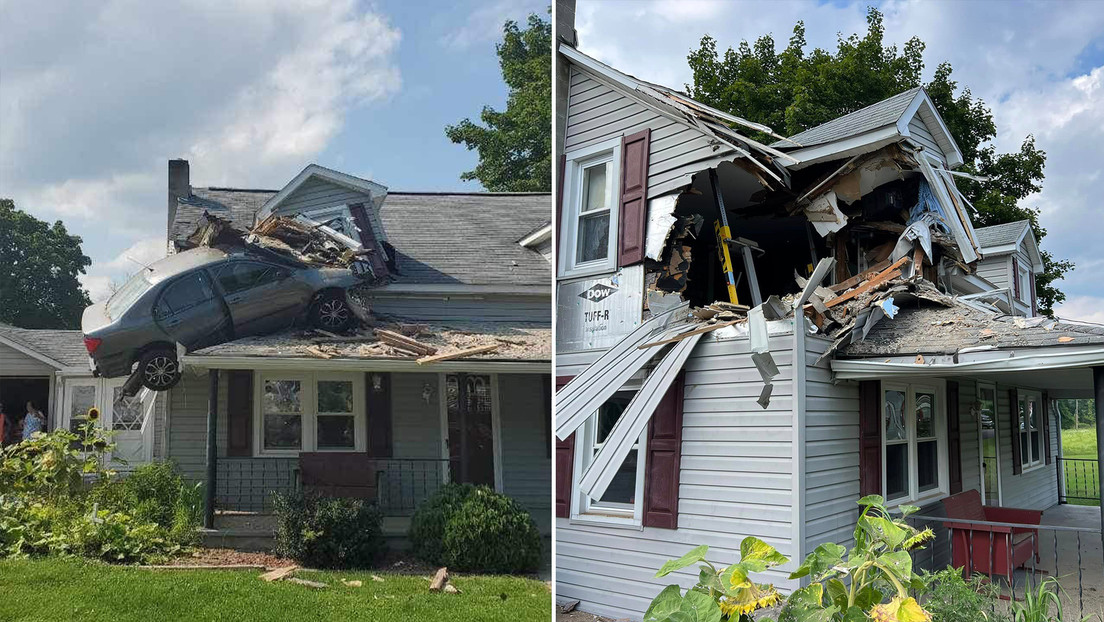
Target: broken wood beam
x=457, y=355
x=696, y=331
x=403, y=342
x=279, y=573
x=439, y=580
x=317, y=352
x=860, y=277
x=889, y=273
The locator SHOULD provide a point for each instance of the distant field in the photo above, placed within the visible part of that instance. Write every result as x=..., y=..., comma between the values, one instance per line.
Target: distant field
x=1082, y=478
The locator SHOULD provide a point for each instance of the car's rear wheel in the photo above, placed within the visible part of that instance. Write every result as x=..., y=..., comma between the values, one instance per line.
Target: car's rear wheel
x=332, y=313
x=159, y=369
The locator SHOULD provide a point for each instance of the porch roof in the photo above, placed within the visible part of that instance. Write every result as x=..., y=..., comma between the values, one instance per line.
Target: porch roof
x=521, y=342
x=61, y=347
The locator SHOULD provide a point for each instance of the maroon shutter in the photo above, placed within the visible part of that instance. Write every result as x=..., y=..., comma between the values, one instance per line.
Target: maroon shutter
x=1017, y=461
x=664, y=455
x=369, y=240
x=1046, y=426
x=1034, y=302
x=1016, y=277
x=377, y=398
x=954, y=442
x=870, y=437
x=239, y=413
x=565, y=462
x=546, y=401
x=634, y=185
x=558, y=226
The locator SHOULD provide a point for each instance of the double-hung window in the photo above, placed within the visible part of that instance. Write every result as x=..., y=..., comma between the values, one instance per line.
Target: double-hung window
x=1030, y=426
x=589, y=227
x=310, y=412
x=622, y=500
x=913, y=442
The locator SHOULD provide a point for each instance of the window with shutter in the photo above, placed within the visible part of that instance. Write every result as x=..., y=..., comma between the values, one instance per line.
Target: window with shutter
x=634, y=186
x=565, y=460
x=664, y=457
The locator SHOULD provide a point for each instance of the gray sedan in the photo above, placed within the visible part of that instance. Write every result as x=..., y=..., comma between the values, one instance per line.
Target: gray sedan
x=203, y=297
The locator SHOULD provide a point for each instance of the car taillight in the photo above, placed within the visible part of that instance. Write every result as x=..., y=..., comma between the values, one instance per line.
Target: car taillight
x=91, y=343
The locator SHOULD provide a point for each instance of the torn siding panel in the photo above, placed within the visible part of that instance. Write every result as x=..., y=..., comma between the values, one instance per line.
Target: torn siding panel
x=597, y=112
x=831, y=452
x=730, y=487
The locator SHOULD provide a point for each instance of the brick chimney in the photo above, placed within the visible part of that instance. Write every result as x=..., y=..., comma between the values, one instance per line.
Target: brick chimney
x=180, y=187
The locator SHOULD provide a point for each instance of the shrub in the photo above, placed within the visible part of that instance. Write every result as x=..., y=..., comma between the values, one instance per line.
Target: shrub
x=427, y=526
x=47, y=508
x=472, y=528
x=326, y=532
x=950, y=598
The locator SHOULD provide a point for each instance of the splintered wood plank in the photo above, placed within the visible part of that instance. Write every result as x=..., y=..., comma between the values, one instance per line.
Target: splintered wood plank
x=279, y=573
x=696, y=331
x=860, y=277
x=890, y=273
x=458, y=355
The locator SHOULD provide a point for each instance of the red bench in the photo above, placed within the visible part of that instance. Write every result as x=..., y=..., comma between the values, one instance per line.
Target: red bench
x=990, y=549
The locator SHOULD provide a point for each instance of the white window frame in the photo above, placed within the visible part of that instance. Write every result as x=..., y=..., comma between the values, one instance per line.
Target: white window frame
x=309, y=399
x=1029, y=461
x=1024, y=278
x=583, y=508
x=914, y=495
x=575, y=163
x=981, y=442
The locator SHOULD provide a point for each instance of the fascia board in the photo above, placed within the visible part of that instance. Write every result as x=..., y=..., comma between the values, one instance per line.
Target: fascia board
x=200, y=361
x=1021, y=359
x=863, y=143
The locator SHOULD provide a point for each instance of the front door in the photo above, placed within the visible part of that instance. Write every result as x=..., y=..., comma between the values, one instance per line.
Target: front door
x=989, y=447
x=470, y=428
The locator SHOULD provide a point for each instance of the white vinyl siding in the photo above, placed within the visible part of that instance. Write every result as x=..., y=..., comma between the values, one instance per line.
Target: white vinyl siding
x=920, y=133
x=16, y=363
x=735, y=481
x=317, y=194
x=597, y=112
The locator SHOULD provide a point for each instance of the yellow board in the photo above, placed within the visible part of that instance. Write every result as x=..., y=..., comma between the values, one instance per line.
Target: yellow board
x=726, y=259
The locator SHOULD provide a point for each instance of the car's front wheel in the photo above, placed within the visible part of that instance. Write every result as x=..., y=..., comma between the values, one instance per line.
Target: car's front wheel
x=159, y=369
x=332, y=313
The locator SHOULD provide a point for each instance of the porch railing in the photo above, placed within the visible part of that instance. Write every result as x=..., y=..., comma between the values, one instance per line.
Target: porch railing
x=401, y=483
x=1080, y=481
x=1072, y=555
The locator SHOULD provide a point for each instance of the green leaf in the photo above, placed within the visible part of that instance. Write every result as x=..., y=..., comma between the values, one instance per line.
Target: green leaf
x=872, y=500
x=907, y=510
x=709, y=579
x=694, y=556
x=700, y=607
x=753, y=548
x=821, y=560
x=899, y=563
x=886, y=531
x=868, y=597
x=666, y=603
x=855, y=614
x=837, y=592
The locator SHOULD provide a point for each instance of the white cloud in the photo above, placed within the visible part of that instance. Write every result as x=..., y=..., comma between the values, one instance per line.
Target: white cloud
x=1083, y=308
x=141, y=253
x=484, y=25
x=99, y=287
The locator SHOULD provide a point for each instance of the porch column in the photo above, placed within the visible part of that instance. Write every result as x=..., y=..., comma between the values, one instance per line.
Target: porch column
x=1098, y=392
x=212, y=455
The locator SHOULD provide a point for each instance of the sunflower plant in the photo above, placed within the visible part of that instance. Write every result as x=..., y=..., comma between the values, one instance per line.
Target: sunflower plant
x=869, y=582
x=721, y=593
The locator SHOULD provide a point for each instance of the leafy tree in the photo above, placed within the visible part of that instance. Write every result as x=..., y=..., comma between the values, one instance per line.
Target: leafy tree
x=794, y=90
x=515, y=146
x=39, y=265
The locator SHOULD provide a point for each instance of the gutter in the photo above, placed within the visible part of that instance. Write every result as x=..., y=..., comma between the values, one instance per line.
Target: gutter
x=501, y=366
x=459, y=289
x=981, y=361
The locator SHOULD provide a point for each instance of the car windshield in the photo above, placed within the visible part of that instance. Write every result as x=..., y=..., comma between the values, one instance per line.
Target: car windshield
x=126, y=295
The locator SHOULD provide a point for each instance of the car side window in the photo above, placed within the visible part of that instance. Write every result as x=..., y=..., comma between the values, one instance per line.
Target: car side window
x=184, y=293
x=242, y=275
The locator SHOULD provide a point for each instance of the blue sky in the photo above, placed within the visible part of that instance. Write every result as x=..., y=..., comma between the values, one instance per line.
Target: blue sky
x=1038, y=65
x=96, y=97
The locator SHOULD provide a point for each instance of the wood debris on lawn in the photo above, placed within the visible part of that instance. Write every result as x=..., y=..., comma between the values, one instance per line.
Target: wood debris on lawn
x=279, y=573
x=355, y=583
x=304, y=582
x=437, y=583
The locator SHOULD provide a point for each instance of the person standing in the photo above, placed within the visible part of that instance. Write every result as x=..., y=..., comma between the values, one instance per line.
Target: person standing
x=5, y=424
x=33, y=422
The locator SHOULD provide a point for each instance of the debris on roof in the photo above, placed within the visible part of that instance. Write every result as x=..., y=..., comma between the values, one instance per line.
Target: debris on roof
x=298, y=238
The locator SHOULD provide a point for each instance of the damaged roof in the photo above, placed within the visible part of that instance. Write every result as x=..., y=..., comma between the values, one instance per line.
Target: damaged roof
x=515, y=342
x=874, y=116
x=63, y=346
x=929, y=330
x=439, y=238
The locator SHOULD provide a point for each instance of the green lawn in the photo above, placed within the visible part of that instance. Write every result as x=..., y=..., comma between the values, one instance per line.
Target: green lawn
x=57, y=590
x=1082, y=478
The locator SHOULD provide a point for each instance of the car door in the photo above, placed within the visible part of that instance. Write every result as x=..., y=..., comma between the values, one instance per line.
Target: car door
x=261, y=296
x=191, y=313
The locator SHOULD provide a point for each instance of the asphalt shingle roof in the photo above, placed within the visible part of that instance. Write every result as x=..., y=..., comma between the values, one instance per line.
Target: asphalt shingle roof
x=440, y=238
x=64, y=346
x=874, y=116
x=946, y=330
x=1001, y=235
